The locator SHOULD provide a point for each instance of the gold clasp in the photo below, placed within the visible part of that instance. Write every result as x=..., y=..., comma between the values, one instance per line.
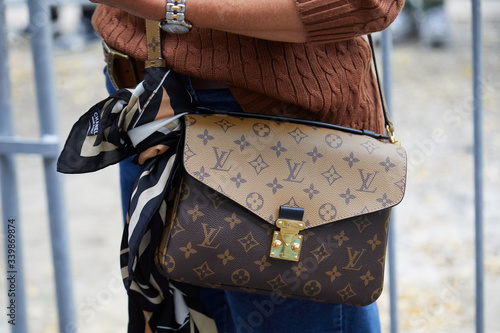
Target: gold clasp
x=287, y=243
x=392, y=138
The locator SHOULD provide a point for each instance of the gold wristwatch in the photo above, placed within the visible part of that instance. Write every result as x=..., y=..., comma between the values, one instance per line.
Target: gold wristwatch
x=174, y=21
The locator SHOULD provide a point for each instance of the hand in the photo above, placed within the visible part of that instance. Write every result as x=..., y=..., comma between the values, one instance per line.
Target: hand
x=266, y=19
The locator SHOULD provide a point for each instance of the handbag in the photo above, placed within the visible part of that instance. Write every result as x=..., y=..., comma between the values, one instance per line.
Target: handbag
x=244, y=202
x=274, y=205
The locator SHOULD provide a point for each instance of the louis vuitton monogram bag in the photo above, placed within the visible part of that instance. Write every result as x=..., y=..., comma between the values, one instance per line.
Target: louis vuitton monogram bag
x=272, y=206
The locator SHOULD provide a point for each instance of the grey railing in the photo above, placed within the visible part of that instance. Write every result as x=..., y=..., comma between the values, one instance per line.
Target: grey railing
x=47, y=146
x=386, y=46
x=477, y=64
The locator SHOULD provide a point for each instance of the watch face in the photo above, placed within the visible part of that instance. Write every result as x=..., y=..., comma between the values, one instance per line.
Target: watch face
x=175, y=28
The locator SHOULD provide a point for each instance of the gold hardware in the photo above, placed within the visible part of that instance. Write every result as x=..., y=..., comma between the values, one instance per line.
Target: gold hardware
x=277, y=244
x=392, y=137
x=112, y=56
x=287, y=242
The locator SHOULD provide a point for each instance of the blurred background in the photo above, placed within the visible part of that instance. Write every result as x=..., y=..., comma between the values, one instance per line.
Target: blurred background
x=434, y=226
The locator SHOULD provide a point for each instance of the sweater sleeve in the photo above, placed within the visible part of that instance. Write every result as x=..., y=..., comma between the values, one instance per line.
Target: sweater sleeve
x=335, y=20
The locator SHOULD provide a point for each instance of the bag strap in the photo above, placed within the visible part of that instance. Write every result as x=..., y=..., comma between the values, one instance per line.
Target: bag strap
x=154, y=47
x=389, y=126
x=155, y=59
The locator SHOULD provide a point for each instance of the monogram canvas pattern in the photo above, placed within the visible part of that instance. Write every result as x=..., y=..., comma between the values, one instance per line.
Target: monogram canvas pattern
x=239, y=171
x=213, y=242
x=264, y=164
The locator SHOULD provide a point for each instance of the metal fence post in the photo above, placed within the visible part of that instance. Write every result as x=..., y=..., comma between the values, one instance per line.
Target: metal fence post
x=386, y=46
x=10, y=196
x=47, y=147
x=41, y=44
x=478, y=159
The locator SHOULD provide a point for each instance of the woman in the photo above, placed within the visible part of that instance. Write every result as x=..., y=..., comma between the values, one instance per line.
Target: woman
x=297, y=58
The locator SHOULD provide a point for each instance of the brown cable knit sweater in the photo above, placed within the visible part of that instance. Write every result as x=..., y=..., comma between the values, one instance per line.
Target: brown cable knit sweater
x=329, y=78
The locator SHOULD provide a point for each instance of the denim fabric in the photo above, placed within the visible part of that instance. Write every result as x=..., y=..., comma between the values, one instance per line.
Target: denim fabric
x=236, y=312
x=217, y=99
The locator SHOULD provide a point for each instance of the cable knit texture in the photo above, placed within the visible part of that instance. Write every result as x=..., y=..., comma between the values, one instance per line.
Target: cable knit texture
x=328, y=78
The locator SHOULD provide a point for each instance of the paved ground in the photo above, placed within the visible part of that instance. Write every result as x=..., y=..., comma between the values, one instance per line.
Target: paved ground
x=434, y=225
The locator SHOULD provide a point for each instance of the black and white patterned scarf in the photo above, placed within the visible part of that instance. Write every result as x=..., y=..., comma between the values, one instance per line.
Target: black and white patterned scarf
x=145, y=123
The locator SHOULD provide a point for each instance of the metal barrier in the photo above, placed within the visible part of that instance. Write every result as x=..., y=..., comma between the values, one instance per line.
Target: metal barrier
x=386, y=46
x=48, y=148
x=477, y=64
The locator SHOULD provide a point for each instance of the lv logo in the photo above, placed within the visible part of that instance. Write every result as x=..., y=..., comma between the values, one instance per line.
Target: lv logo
x=221, y=158
x=209, y=236
x=293, y=171
x=354, y=257
x=367, y=180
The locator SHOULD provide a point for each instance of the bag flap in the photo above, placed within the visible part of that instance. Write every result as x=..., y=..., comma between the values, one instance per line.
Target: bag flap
x=263, y=164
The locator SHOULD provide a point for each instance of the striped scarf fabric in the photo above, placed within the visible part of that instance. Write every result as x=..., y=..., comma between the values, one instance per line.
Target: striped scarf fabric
x=143, y=123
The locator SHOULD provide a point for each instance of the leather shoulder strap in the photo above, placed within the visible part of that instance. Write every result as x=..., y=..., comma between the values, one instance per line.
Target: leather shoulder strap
x=388, y=122
x=153, y=37
x=154, y=47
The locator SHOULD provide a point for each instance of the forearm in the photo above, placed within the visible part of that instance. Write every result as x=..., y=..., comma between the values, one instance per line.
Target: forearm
x=272, y=20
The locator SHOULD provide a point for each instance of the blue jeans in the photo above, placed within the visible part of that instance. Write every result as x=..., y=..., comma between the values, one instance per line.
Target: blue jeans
x=236, y=312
